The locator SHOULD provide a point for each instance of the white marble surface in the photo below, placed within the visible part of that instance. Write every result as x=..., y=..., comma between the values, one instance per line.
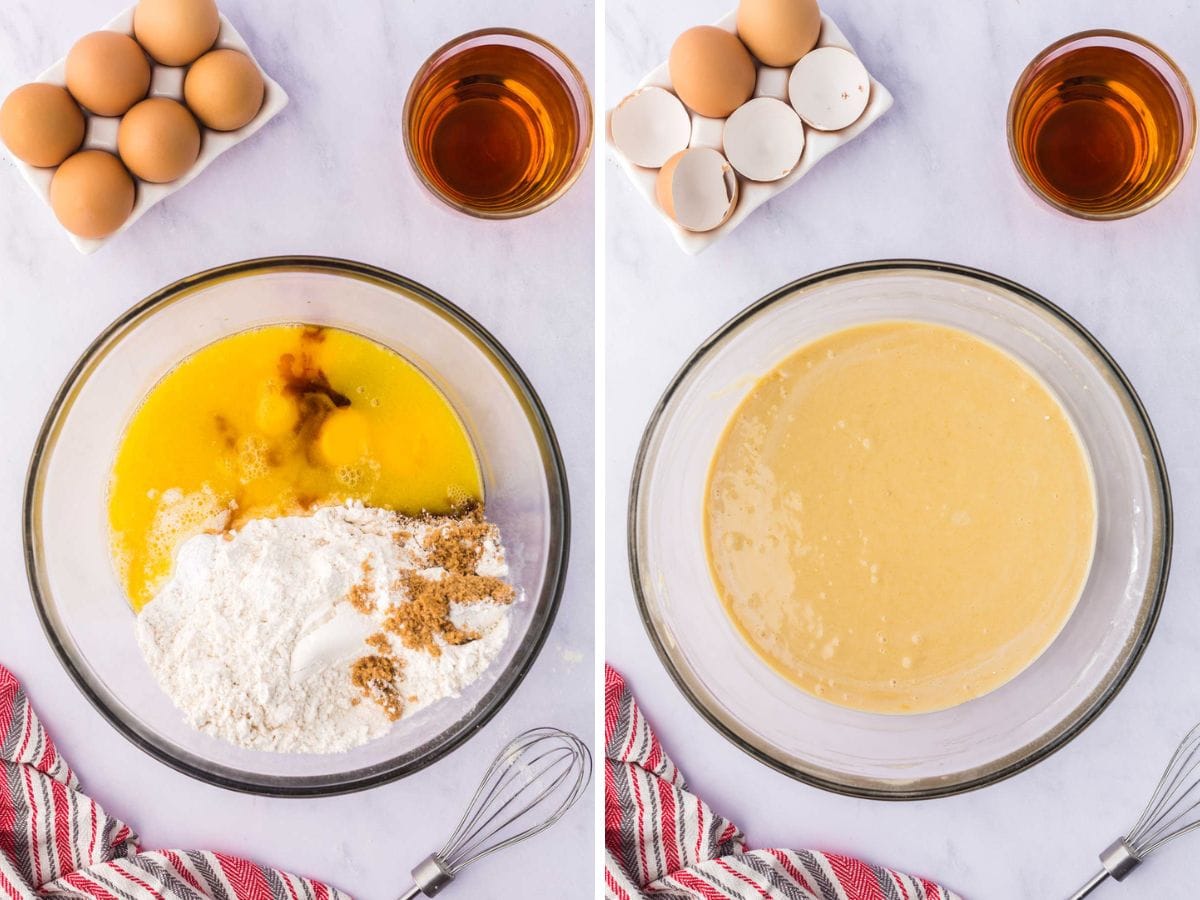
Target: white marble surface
x=932, y=179
x=328, y=176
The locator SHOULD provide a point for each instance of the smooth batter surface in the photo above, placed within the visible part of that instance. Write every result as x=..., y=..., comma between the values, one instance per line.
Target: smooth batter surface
x=900, y=517
x=277, y=421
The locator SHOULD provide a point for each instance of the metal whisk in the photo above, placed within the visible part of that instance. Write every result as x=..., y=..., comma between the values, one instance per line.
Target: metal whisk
x=1173, y=811
x=530, y=786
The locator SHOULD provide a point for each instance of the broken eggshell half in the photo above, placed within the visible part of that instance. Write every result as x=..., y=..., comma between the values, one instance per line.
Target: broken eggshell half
x=650, y=126
x=829, y=88
x=697, y=189
x=763, y=139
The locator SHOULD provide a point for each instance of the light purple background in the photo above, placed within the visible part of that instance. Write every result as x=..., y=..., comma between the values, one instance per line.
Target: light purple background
x=328, y=176
x=931, y=179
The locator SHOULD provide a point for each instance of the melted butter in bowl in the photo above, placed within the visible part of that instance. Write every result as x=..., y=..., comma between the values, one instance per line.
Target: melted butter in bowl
x=900, y=517
x=277, y=421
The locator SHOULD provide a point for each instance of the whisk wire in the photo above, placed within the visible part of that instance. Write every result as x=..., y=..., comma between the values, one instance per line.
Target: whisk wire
x=538, y=767
x=487, y=851
x=502, y=777
x=1173, y=811
x=1173, y=807
x=489, y=827
x=490, y=786
x=502, y=759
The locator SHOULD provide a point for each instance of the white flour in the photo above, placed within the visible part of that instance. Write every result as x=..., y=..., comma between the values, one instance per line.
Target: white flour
x=254, y=635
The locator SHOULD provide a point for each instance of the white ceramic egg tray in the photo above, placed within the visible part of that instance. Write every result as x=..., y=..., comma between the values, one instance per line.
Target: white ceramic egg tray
x=708, y=133
x=165, y=81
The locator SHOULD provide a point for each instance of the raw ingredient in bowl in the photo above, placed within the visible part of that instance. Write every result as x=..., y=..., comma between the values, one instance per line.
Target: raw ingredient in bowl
x=315, y=634
x=274, y=422
x=493, y=127
x=900, y=517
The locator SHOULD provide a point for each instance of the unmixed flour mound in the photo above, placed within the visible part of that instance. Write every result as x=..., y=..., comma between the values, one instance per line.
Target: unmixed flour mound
x=315, y=634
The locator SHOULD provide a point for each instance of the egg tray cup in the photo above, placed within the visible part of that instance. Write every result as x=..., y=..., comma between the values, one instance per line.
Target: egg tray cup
x=706, y=132
x=165, y=81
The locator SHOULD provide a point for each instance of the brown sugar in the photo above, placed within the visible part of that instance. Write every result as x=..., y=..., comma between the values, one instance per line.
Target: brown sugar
x=458, y=547
x=360, y=594
x=426, y=613
x=421, y=616
x=424, y=616
x=380, y=644
x=377, y=677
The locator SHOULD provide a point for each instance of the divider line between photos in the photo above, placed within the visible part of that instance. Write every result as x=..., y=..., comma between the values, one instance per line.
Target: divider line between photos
x=599, y=307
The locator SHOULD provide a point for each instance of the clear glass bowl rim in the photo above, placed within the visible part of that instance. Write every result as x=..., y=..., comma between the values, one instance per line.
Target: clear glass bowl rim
x=409, y=290
x=1187, y=101
x=1159, y=483
x=586, y=134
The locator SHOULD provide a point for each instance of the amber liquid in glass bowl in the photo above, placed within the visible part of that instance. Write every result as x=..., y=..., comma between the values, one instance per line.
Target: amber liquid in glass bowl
x=1101, y=128
x=495, y=129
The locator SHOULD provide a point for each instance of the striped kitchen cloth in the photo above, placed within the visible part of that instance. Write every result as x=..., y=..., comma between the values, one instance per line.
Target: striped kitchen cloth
x=665, y=843
x=56, y=841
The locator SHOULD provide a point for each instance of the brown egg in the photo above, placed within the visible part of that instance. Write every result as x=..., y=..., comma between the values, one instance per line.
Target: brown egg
x=41, y=124
x=107, y=72
x=92, y=194
x=779, y=32
x=712, y=71
x=224, y=89
x=159, y=140
x=176, y=32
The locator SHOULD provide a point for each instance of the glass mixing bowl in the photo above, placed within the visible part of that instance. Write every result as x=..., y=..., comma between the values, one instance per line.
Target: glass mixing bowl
x=917, y=756
x=83, y=609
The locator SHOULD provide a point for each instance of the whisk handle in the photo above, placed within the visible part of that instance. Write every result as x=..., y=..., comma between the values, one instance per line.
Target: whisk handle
x=429, y=877
x=1098, y=879
x=1118, y=859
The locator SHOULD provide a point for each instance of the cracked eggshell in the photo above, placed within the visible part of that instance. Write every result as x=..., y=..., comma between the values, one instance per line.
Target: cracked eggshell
x=698, y=189
x=779, y=32
x=650, y=126
x=763, y=139
x=829, y=88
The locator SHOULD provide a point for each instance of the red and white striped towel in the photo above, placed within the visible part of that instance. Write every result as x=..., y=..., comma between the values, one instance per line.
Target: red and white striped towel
x=55, y=841
x=663, y=842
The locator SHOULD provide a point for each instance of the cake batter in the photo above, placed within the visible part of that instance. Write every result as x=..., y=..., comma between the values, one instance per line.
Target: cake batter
x=900, y=517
